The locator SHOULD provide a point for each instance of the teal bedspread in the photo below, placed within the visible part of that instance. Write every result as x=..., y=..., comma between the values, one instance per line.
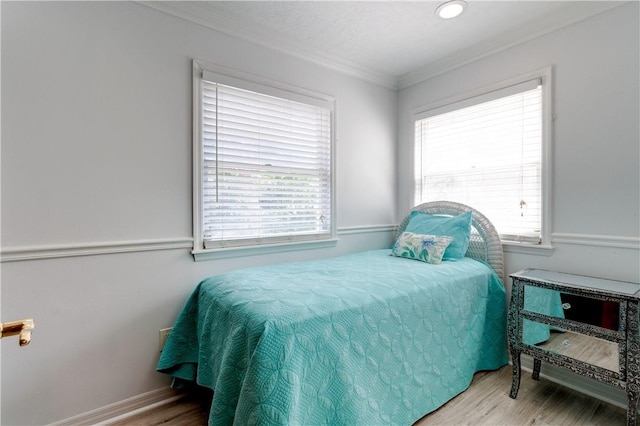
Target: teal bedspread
x=361, y=339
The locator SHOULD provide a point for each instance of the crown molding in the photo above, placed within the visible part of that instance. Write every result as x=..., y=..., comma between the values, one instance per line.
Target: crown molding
x=522, y=35
x=224, y=23
x=197, y=13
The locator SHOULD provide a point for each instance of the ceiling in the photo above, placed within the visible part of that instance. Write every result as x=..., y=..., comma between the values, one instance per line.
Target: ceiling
x=393, y=43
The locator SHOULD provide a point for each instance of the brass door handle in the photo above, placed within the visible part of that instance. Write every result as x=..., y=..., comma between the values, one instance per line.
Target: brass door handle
x=22, y=328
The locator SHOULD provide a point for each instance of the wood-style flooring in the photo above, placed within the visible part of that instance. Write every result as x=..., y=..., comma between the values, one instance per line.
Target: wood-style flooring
x=486, y=402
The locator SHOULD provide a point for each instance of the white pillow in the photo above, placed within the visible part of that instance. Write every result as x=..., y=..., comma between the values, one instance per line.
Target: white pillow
x=426, y=248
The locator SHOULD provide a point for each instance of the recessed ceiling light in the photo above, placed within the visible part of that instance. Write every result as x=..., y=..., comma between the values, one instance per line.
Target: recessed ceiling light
x=451, y=9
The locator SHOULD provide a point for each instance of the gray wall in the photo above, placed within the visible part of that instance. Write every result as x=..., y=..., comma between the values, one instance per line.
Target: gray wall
x=96, y=157
x=596, y=142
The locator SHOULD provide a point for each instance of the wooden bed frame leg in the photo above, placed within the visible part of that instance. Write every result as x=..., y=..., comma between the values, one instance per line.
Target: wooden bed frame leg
x=515, y=378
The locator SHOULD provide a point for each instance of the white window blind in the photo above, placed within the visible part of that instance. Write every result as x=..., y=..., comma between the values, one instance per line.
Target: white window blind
x=486, y=152
x=266, y=167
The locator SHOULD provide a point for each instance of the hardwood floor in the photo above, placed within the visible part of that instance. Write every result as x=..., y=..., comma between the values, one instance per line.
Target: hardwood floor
x=486, y=402
x=189, y=411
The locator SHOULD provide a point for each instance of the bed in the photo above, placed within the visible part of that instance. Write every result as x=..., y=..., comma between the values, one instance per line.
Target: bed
x=378, y=337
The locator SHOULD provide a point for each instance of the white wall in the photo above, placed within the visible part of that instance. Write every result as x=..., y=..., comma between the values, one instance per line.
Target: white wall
x=96, y=150
x=96, y=156
x=596, y=141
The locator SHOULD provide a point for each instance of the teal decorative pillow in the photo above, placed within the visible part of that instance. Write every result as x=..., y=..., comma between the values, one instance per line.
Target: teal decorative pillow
x=456, y=227
x=427, y=248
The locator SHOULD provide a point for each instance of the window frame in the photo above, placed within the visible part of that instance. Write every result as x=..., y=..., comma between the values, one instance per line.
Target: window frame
x=261, y=85
x=545, y=77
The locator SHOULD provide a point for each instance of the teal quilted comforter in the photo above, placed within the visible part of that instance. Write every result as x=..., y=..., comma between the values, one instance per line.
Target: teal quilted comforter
x=361, y=339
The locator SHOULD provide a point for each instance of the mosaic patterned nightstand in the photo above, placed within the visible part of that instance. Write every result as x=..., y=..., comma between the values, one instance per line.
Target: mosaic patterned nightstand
x=572, y=344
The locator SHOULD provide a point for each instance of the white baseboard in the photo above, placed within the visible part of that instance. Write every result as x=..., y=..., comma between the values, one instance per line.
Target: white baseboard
x=120, y=410
x=571, y=380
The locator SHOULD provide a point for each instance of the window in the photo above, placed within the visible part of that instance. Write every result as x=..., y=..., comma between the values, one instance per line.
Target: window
x=488, y=151
x=263, y=163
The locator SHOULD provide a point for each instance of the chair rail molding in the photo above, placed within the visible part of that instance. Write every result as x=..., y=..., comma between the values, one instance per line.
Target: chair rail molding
x=596, y=240
x=54, y=251
x=367, y=229
x=15, y=254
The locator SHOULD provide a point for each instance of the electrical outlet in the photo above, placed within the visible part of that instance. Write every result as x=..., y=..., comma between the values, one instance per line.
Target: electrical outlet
x=164, y=335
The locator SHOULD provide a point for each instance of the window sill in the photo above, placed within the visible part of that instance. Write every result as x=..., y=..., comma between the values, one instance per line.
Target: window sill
x=527, y=248
x=227, y=252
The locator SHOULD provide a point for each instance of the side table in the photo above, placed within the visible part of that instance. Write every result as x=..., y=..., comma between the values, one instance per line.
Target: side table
x=524, y=316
